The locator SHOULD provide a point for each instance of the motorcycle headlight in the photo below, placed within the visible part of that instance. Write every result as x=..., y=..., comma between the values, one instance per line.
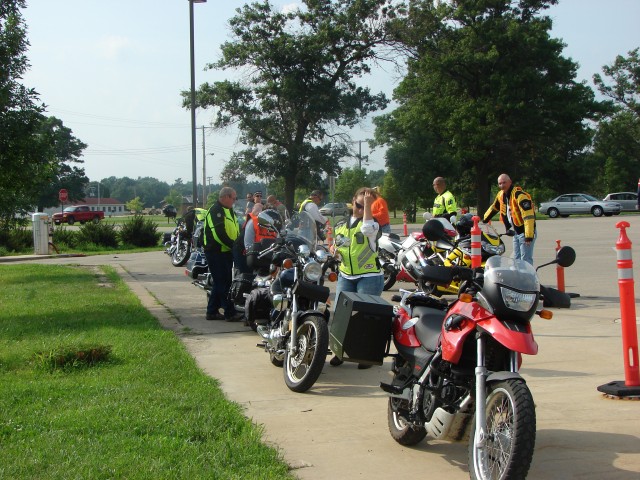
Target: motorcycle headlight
x=493, y=249
x=321, y=255
x=518, y=301
x=279, y=301
x=312, y=271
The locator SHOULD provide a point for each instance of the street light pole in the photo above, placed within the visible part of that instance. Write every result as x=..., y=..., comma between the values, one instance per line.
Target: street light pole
x=193, y=105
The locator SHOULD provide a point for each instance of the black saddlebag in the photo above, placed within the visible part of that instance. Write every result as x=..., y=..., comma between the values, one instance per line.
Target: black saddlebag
x=360, y=330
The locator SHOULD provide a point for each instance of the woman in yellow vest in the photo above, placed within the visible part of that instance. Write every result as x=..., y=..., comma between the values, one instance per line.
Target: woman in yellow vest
x=359, y=268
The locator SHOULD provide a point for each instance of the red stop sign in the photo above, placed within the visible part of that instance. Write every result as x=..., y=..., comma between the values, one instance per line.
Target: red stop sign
x=63, y=195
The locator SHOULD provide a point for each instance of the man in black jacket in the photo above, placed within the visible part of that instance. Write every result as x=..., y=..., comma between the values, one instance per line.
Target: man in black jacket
x=220, y=231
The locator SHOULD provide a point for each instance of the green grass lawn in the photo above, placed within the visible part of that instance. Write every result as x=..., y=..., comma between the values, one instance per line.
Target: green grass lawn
x=91, y=387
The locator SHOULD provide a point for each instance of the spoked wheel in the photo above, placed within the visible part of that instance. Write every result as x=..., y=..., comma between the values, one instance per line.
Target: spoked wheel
x=400, y=428
x=429, y=288
x=181, y=255
x=304, y=362
x=511, y=434
x=388, y=270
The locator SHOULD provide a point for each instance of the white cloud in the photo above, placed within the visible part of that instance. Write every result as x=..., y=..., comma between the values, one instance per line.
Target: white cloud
x=290, y=7
x=111, y=46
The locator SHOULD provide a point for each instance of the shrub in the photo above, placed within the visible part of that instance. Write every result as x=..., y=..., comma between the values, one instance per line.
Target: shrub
x=100, y=234
x=63, y=236
x=16, y=240
x=140, y=232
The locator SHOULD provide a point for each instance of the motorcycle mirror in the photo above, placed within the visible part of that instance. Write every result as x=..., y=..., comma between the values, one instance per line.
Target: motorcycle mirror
x=566, y=256
x=342, y=241
x=433, y=230
x=427, y=216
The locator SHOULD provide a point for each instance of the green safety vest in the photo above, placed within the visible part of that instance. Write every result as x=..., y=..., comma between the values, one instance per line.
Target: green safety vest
x=231, y=227
x=304, y=204
x=445, y=203
x=358, y=258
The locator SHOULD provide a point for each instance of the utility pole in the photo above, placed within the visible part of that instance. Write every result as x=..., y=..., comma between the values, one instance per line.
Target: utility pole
x=204, y=175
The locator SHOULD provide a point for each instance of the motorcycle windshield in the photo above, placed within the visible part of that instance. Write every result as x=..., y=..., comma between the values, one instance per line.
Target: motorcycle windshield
x=512, y=273
x=302, y=229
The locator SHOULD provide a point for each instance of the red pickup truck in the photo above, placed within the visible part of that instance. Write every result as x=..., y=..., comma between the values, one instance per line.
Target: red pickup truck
x=77, y=213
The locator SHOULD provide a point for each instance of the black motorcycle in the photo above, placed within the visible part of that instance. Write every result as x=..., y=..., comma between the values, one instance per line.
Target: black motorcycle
x=291, y=314
x=178, y=244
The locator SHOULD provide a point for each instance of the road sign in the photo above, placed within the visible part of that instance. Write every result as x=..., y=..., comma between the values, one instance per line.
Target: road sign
x=63, y=195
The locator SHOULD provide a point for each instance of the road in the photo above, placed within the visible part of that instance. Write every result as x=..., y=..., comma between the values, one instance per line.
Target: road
x=339, y=428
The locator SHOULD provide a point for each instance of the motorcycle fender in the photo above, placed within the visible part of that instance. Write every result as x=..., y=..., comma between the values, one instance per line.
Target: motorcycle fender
x=519, y=338
x=308, y=313
x=501, y=376
x=453, y=340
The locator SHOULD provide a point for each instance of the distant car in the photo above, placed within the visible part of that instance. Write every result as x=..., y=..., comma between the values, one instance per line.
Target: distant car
x=575, y=203
x=627, y=200
x=334, y=210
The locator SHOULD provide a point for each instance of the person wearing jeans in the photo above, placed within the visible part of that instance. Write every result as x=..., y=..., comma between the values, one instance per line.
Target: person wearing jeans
x=355, y=239
x=516, y=212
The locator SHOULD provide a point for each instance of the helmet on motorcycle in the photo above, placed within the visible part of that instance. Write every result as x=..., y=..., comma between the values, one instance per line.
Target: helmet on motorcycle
x=270, y=218
x=465, y=224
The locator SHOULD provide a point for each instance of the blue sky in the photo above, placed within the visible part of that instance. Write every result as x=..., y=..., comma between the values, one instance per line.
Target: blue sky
x=113, y=70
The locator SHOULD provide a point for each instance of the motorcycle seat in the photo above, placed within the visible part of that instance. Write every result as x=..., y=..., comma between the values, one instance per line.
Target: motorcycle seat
x=429, y=326
x=394, y=236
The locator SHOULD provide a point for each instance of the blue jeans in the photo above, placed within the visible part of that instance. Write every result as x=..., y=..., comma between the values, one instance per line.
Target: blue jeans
x=385, y=228
x=367, y=285
x=523, y=251
x=220, y=267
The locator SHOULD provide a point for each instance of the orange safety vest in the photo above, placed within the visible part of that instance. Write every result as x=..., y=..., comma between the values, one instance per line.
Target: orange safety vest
x=260, y=231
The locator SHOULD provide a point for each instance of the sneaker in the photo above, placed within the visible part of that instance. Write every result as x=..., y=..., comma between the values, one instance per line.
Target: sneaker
x=335, y=362
x=362, y=366
x=215, y=316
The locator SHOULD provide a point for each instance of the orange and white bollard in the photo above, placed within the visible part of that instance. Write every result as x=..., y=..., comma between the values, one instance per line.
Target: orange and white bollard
x=559, y=271
x=476, y=243
x=329, y=233
x=631, y=384
x=404, y=222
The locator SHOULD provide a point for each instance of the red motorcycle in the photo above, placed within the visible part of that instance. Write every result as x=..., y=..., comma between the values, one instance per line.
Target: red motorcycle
x=455, y=374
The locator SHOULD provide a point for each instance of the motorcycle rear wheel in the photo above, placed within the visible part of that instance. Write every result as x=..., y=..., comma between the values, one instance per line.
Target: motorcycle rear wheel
x=181, y=254
x=302, y=368
x=400, y=429
x=511, y=433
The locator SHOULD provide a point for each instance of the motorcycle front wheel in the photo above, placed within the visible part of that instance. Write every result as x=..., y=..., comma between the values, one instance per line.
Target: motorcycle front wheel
x=304, y=361
x=181, y=254
x=388, y=269
x=511, y=433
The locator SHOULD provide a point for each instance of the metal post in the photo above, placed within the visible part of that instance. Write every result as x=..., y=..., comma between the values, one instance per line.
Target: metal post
x=204, y=174
x=193, y=108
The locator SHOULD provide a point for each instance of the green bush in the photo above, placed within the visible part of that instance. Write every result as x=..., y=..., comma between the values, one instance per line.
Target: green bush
x=16, y=240
x=63, y=236
x=100, y=234
x=140, y=232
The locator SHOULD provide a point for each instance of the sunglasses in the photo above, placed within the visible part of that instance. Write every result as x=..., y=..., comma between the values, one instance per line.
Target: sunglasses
x=358, y=205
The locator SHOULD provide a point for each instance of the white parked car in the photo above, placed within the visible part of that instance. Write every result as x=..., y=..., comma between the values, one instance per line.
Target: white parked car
x=574, y=203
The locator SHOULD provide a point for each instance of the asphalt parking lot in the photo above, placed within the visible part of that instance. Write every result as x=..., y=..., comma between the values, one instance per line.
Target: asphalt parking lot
x=338, y=429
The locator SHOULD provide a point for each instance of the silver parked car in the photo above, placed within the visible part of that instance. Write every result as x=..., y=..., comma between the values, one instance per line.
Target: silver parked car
x=627, y=200
x=335, y=210
x=574, y=203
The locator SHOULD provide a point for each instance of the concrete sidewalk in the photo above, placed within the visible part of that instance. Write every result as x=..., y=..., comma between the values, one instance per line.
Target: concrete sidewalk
x=338, y=429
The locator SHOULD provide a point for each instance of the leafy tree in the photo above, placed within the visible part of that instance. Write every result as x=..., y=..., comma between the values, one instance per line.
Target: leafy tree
x=174, y=198
x=350, y=180
x=617, y=142
x=136, y=205
x=299, y=89
x=35, y=150
x=490, y=90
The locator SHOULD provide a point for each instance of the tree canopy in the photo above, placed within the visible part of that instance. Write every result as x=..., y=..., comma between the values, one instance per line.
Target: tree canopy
x=35, y=150
x=487, y=91
x=617, y=142
x=299, y=87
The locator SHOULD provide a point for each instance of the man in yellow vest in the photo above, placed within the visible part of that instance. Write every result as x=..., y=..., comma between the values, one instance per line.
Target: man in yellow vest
x=516, y=211
x=310, y=205
x=220, y=231
x=444, y=204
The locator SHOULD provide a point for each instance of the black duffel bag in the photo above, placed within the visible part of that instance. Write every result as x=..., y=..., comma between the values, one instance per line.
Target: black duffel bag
x=241, y=284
